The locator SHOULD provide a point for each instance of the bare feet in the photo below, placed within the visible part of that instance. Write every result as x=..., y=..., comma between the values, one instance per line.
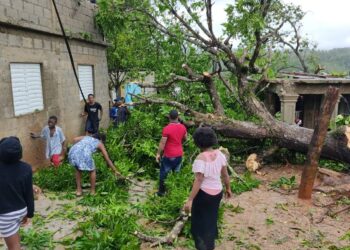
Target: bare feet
x=78, y=193
x=93, y=192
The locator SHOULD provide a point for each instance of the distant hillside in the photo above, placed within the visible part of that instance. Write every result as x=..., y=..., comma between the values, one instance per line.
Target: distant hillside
x=334, y=60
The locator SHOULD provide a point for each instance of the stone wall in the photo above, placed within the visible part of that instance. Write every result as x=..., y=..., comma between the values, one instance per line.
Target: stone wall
x=60, y=90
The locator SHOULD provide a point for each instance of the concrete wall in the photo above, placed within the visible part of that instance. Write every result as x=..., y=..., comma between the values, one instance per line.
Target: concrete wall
x=77, y=16
x=60, y=90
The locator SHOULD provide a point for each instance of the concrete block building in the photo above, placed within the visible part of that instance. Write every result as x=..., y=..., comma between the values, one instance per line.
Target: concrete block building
x=300, y=96
x=36, y=77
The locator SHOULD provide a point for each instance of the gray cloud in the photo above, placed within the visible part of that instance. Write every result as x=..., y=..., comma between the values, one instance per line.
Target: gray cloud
x=327, y=22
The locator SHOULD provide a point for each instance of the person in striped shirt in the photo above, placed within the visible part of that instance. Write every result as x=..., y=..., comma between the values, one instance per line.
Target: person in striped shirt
x=16, y=196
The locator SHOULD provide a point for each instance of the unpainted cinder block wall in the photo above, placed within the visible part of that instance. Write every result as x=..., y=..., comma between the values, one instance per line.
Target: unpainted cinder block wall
x=60, y=91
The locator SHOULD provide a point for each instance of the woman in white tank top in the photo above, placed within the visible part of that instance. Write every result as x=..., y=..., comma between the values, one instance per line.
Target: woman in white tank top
x=210, y=168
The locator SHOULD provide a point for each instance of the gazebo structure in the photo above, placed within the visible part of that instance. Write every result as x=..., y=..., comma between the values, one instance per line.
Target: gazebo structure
x=299, y=96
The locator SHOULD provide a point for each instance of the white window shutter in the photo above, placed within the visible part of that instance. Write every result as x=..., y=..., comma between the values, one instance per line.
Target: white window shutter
x=86, y=80
x=26, y=88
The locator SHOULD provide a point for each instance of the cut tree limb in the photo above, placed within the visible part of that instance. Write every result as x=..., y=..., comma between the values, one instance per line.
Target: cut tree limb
x=170, y=237
x=318, y=138
x=213, y=93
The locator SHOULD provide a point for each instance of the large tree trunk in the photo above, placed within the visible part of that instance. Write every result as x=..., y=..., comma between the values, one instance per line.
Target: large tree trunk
x=288, y=136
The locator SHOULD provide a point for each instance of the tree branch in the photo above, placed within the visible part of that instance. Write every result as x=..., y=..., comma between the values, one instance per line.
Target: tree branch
x=209, y=5
x=214, y=96
x=296, y=48
x=196, y=19
x=173, y=80
x=186, y=24
x=207, y=79
x=178, y=105
x=265, y=5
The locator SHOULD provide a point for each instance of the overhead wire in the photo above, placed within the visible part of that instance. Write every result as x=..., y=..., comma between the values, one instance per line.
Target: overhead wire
x=69, y=50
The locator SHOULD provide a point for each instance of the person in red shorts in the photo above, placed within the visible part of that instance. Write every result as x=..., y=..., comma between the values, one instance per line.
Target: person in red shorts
x=173, y=135
x=55, y=139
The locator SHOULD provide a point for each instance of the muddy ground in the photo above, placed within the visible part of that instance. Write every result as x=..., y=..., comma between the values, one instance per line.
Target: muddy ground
x=271, y=220
x=259, y=219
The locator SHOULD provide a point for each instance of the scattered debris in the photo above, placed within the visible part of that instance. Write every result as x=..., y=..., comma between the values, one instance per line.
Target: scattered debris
x=170, y=237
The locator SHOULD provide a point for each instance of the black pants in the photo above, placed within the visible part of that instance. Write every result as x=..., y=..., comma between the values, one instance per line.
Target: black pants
x=205, y=210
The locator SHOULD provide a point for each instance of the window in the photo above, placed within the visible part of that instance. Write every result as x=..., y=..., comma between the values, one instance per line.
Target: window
x=86, y=79
x=26, y=88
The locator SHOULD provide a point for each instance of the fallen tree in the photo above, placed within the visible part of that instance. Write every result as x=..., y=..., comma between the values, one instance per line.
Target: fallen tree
x=288, y=136
x=250, y=76
x=261, y=26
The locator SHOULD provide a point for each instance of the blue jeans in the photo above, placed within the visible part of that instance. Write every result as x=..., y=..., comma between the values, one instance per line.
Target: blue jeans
x=169, y=164
x=92, y=126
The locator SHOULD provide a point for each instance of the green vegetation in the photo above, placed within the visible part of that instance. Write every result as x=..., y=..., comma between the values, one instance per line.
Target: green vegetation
x=36, y=239
x=249, y=183
x=108, y=219
x=335, y=61
x=346, y=237
x=86, y=36
x=284, y=183
x=317, y=240
x=341, y=120
x=269, y=221
x=334, y=165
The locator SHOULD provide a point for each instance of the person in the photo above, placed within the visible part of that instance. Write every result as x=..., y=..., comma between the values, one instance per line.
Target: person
x=93, y=111
x=113, y=112
x=123, y=112
x=16, y=196
x=80, y=156
x=204, y=200
x=55, y=141
x=173, y=135
x=298, y=122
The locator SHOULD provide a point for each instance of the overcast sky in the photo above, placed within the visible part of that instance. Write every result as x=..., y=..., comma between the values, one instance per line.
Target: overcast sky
x=327, y=22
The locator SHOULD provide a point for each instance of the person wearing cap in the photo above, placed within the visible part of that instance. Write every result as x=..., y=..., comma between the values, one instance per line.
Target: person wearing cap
x=16, y=195
x=55, y=139
x=123, y=112
x=80, y=157
x=119, y=112
x=113, y=112
x=170, y=150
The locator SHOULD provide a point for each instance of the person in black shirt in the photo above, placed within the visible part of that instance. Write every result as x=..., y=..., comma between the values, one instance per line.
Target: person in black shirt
x=16, y=195
x=92, y=110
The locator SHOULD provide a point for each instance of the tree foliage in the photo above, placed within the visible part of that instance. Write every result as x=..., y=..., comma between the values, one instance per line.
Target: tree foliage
x=219, y=72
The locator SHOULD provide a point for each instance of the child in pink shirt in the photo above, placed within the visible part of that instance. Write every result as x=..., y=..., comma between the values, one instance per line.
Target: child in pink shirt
x=209, y=167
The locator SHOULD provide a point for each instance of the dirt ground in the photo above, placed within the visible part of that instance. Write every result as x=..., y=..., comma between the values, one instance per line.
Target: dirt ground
x=259, y=219
x=271, y=220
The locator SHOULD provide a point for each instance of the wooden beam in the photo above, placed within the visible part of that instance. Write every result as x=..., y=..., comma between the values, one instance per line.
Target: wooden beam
x=316, y=144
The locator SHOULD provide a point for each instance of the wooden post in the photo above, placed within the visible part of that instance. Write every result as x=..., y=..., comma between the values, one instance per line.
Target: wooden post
x=316, y=144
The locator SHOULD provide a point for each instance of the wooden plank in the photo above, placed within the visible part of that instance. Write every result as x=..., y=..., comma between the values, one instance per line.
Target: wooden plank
x=316, y=144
